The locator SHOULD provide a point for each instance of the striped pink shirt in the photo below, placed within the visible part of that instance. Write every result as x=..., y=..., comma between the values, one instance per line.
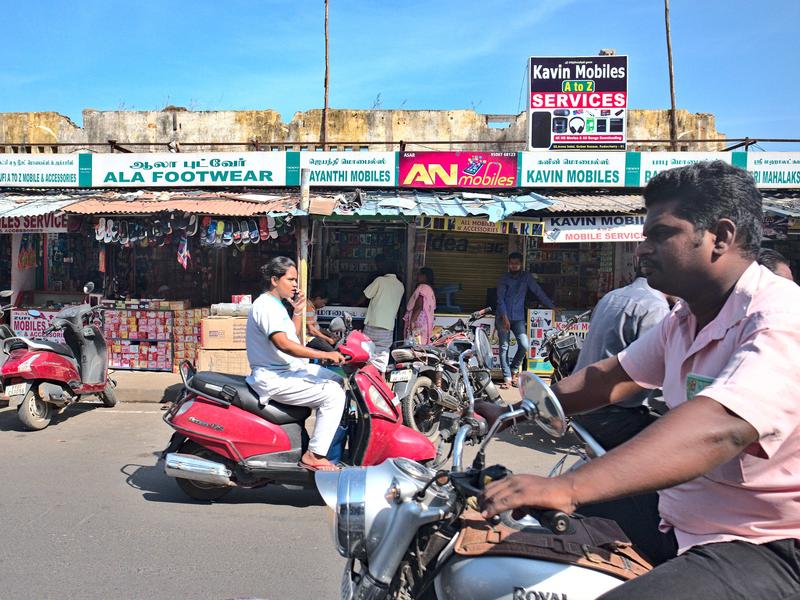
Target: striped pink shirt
x=747, y=360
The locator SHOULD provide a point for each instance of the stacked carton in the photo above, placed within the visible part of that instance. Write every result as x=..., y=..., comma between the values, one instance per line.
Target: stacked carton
x=139, y=339
x=186, y=334
x=223, y=345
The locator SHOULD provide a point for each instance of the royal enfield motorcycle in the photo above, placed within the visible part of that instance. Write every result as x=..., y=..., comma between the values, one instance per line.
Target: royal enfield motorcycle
x=408, y=531
x=41, y=377
x=226, y=436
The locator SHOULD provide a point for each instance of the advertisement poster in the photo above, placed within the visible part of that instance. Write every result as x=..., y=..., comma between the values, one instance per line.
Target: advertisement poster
x=478, y=225
x=578, y=103
x=458, y=169
x=43, y=170
x=363, y=169
x=540, y=322
x=652, y=163
x=24, y=325
x=251, y=169
x=572, y=169
x=49, y=223
x=600, y=228
x=774, y=169
x=441, y=322
x=328, y=313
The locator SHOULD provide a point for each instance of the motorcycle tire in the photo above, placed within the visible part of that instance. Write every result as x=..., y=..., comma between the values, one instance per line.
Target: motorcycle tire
x=424, y=419
x=34, y=413
x=108, y=396
x=197, y=490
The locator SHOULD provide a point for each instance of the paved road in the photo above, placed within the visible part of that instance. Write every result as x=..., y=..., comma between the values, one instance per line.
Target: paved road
x=87, y=514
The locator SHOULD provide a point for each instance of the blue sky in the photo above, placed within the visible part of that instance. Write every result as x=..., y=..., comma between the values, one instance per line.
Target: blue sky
x=734, y=58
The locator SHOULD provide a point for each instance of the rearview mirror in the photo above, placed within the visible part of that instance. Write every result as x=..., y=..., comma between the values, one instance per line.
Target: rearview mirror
x=35, y=313
x=550, y=415
x=337, y=325
x=88, y=288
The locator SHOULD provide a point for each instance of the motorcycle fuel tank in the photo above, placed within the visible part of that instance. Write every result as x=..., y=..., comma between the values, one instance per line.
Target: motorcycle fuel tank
x=515, y=578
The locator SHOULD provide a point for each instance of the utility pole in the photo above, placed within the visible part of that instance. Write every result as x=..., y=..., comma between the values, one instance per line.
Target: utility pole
x=327, y=81
x=673, y=120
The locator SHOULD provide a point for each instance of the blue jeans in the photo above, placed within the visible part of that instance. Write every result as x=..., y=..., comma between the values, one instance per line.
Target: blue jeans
x=518, y=328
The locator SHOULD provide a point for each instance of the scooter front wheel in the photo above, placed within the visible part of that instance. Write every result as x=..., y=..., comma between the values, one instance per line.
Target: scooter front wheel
x=198, y=490
x=108, y=397
x=34, y=412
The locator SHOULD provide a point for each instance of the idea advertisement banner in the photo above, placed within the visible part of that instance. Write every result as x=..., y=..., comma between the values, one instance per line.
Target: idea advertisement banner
x=45, y=170
x=600, y=228
x=256, y=169
x=24, y=325
x=49, y=223
x=458, y=169
x=578, y=103
x=572, y=169
x=363, y=169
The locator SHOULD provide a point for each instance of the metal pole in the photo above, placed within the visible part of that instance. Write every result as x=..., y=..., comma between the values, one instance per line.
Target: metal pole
x=302, y=241
x=673, y=122
x=327, y=82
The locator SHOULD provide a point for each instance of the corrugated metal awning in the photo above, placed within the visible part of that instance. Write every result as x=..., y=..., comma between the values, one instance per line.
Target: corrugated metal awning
x=15, y=206
x=785, y=204
x=595, y=202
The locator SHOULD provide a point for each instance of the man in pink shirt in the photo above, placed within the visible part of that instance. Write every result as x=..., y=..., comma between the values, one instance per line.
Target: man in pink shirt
x=725, y=459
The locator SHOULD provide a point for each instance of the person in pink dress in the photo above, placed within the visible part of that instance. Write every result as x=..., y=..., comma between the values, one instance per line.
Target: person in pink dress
x=420, y=308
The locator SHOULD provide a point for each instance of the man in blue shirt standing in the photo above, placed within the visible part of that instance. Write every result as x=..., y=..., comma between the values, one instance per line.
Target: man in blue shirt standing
x=511, y=315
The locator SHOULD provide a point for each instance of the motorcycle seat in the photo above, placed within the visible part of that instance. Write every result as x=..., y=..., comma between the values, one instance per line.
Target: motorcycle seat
x=61, y=349
x=211, y=383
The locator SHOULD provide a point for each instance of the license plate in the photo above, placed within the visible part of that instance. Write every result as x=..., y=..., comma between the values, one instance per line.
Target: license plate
x=15, y=390
x=401, y=375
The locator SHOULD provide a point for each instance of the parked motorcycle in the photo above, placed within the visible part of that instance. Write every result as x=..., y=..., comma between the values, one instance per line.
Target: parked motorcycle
x=5, y=330
x=427, y=378
x=410, y=532
x=41, y=377
x=226, y=437
x=561, y=347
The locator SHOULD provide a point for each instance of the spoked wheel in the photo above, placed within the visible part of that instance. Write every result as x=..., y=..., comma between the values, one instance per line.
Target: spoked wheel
x=420, y=412
x=200, y=490
x=34, y=412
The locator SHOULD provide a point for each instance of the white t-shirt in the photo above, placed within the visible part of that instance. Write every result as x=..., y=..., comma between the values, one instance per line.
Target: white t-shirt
x=267, y=317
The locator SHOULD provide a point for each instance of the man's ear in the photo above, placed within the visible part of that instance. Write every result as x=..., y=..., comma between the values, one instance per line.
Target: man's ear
x=724, y=236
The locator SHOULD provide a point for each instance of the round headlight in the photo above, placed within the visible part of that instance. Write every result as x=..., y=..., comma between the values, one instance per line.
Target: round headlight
x=350, y=522
x=483, y=349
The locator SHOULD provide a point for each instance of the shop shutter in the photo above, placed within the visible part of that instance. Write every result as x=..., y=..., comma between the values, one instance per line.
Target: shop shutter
x=474, y=260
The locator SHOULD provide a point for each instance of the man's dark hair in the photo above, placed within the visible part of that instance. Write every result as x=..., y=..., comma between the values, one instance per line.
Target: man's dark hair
x=771, y=259
x=709, y=191
x=276, y=267
x=515, y=256
x=387, y=267
x=319, y=289
x=428, y=272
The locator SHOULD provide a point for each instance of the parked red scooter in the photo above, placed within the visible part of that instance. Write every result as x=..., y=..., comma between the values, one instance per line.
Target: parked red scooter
x=226, y=437
x=41, y=377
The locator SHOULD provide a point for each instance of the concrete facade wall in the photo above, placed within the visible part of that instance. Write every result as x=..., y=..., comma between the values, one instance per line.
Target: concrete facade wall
x=150, y=131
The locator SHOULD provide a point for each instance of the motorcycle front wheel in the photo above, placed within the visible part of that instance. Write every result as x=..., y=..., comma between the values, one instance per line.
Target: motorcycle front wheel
x=420, y=412
x=199, y=490
x=34, y=413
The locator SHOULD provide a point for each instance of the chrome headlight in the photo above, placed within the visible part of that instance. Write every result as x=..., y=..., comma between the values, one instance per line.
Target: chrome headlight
x=483, y=349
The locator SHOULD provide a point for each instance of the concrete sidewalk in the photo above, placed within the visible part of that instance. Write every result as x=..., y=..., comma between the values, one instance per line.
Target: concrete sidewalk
x=145, y=386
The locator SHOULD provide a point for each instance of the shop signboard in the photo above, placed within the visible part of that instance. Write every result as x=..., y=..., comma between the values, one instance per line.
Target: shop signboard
x=53, y=222
x=774, y=169
x=39, y=170
x=24, y=325
x=578, y=103
x=208, y=169
x=596, y=228
x=350, y=169
x=328, y=313
x=478, y=225
x=446, y=321
x=572, y=169
x=652, y=163
x=458, y=169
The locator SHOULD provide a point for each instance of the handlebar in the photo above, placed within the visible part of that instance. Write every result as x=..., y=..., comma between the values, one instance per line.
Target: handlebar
x=480, y=313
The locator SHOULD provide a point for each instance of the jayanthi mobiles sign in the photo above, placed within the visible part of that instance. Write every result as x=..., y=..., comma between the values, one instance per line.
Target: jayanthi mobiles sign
x=458, y=169
x=362, y=169
x=578, y=103
x=45, y=170
x=477, y=225
x=257, y=169
x=651, y=164
x=572, y=169
x=601, y=228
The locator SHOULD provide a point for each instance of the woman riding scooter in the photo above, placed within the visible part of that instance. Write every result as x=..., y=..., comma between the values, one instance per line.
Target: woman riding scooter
x=279, y=362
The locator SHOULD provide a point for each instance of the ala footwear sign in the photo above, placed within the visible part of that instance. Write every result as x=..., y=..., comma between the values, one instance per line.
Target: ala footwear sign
x=221, y=169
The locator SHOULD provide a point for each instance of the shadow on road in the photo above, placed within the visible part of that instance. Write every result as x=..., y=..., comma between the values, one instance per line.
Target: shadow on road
x=10, y=422
x=528, y=435
x=158, y=487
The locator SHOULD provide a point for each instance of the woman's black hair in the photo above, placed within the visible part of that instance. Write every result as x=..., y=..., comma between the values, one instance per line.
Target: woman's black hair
x=428, y=272
x=771, y=259
x=276, y=267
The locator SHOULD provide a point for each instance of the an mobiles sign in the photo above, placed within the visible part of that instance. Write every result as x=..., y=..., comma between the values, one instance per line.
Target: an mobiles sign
x=578, y=103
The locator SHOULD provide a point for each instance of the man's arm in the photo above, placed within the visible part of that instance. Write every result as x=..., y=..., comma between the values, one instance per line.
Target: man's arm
x=502, y=288
x=537, y=291
x=315, y=331
x=687, y=442
x=284, y=344
x=604, y=382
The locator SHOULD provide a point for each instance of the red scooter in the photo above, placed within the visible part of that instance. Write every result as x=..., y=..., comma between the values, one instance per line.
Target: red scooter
x=41, y=377
x=226, y=437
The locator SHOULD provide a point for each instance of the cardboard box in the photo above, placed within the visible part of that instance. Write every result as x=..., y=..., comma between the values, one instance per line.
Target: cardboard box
x=223, y=333
x=233, y=362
